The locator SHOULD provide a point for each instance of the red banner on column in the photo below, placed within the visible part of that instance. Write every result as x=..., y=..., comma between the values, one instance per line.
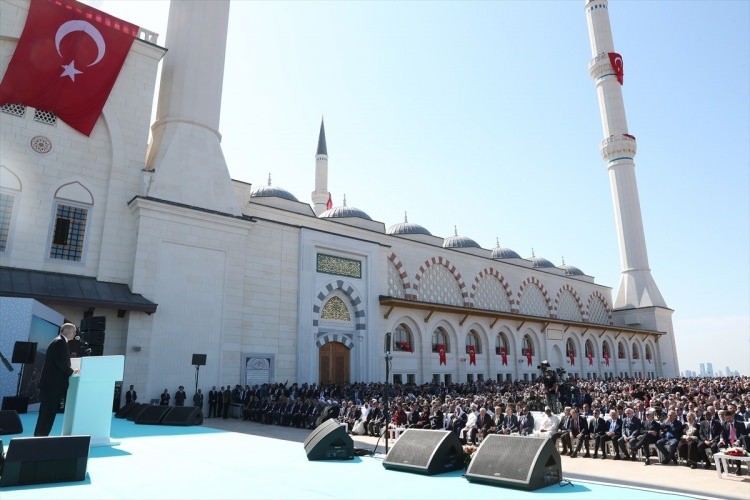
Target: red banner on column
x=504, y=355
x=472, y=355
x=67, y=61
x=441, y=353
x=615, y=60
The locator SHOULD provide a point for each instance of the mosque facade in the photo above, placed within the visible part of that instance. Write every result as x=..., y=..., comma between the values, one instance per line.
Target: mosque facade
x=269, y=287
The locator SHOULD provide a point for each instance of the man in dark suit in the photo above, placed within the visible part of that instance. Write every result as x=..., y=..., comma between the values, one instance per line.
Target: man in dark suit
x=631, y=428
x=733, y=433
x=597, y=428
x=226, y=398
x=53, y=383
x=510, y=422
x=131, y=396
x=578, y=429
x=180, y=396
x=526, y=422
x=671, y=434
x=709, y=435
x=651, y=430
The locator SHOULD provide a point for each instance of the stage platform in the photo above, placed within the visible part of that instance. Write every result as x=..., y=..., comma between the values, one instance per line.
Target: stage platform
x=236, y=459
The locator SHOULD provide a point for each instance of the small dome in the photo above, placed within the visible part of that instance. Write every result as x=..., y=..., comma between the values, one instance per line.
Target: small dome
x=457, y=241
x=503, y=253
x=344, y=211
x=539, y=262
x=571, y=270
x=270, y=191
x=407, y=227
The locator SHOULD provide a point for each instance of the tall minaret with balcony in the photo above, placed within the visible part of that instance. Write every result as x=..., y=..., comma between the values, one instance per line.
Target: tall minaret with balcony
x=320, y=195
x=638, y=301
x=184, y=159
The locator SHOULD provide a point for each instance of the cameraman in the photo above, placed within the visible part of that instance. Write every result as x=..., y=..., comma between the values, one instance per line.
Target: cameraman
x=550, y=388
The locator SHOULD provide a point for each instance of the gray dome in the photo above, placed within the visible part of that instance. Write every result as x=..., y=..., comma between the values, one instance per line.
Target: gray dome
x=504, y=253
x=342, y=212
x=457, y=241
x=571, y=270
x=407, y=227
x=272, y=192
x=540, y=262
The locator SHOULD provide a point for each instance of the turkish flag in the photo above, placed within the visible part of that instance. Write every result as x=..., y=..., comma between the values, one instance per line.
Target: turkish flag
x=572, y=357
x=606, y=359
x=504, y=355
x=329, y=203
x=528, y=357
x=405, y=347
x=591, y=358
x=441, y=353
x=472, y=355
x=67, y=61
x=615, y=60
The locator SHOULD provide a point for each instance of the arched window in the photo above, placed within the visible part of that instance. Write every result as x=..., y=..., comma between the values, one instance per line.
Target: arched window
x=473, y=339
x=620, y=351
x=570, y=348
x=589, y=349
x=73, y=202
x=636, y=355
x=528, y=346
x=501, y=342
x=649, y=355
x=439, y=336
x=605, y=350
x=403, y=341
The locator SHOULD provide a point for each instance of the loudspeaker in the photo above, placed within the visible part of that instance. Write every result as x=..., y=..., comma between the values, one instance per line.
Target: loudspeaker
x=98, y=323
x=134, y=410
x=94, y=337
x=152, y=414
x=199, y=359
x=10, y=423
x=20, y=404
x=183, y=415
x=329, y=441
x=426, y=452
x=36, y=460
x=521, y=462
x=24, y=352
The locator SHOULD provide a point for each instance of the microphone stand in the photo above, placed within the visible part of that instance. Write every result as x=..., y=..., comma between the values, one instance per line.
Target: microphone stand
x=387, y=383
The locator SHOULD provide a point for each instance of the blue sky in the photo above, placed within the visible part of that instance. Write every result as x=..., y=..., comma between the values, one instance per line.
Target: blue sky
x=482, y=115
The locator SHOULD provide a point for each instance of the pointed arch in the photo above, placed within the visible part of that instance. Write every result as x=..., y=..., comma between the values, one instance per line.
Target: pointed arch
x=9, y=179
x=479, y=302
x=565, y=313
x=75, y=191
x=354, y=301
x=400, y=271
x=529, y=307
x=598, y=310
x=463, y=297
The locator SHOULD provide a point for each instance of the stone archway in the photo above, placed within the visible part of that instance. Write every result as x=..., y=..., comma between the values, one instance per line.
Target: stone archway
x=333, y=363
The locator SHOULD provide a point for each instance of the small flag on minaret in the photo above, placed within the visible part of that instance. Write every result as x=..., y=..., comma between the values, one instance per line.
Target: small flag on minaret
x=329, y=203
x=615, y=60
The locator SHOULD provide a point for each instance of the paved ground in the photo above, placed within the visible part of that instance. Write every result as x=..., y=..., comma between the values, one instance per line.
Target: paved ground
x=678, y=479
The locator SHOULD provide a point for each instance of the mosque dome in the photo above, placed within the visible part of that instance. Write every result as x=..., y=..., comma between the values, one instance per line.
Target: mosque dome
x=270, y=191
x=570, y=270
x=407, y=227
x=457, y=241
x=539, y=262
x=499, y=253
x=344, y=211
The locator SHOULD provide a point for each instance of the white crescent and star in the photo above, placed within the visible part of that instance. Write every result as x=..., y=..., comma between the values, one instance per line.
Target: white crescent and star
x=68, y=27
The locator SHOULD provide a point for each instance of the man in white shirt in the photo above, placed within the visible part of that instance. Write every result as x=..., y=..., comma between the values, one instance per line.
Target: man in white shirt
x=471, y=423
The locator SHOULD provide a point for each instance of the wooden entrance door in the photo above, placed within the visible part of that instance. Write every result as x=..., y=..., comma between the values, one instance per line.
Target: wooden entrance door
x=333, y=363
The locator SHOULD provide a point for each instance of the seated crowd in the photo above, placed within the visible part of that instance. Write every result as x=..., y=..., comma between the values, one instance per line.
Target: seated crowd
x=687, y=418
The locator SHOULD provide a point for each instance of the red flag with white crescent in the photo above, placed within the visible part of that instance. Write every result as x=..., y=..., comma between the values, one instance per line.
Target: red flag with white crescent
x=615, y=60
x=591, y=358
x=504, y=355
x=472, y=355
x=528, y=357
x=606, y=358
x=329, y=203
x=441, y=353
x=572, y=357
x=67, y=61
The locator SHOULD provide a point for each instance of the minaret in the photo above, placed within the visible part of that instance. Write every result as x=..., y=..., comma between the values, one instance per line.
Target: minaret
x=320, y=195
x=639, y=302
x=637, y=286
x=185, y=153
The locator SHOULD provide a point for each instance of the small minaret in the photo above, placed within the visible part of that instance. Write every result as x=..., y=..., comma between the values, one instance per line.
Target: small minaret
x=320, y=195
x=638, y=303
x=184, y=157
x=637, y=287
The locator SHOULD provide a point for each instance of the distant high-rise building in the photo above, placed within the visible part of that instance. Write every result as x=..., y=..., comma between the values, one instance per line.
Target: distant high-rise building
x=709, y=369
x=702, y=370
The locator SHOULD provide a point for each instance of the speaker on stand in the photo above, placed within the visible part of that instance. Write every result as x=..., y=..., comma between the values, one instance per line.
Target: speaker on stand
x=425, y=451
x=329, y=441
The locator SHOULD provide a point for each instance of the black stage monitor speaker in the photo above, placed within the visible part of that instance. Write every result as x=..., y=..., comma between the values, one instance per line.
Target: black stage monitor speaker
x=426, y=452
x=199, y=359
x=20, y=404
x=152, y=414
x=136, y=410
x=24, y=352
x=10, y=423
x=36, y=460
x=98, y=323
x=521, y=462
x=183, y=415
x=125, y=410
x=329, y=441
